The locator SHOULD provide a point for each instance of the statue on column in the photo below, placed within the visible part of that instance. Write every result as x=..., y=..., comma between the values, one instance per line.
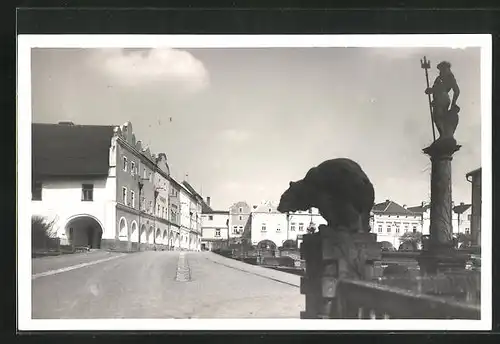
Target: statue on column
x=443, y=111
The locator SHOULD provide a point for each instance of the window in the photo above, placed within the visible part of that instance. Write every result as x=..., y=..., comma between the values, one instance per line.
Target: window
x=36, y=191
x=150, y=209
x=158, y=208
x=235, y=229
x=132, y=168
x=162, y=211
x=240, y=218
x=124, y=195
x=143, y=203
x=292, y=227
x=240, y=210
x=210, y=217
x=397, y=228
x=263, y=228
x=125, y=163
x=269, y=209
x=301, y=227
x=278, y=229
x=414, y=229
x=145, y=174
x=240, y=229
x=380, y=228
x=132, y=198
x=469, y=217
x=217, y=232
x=150, y=177
x=389, y=229
x=467, y=231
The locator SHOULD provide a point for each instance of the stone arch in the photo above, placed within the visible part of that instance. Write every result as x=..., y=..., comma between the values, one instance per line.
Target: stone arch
x=134, y=233
x=150, y=235
x=84, y=230
x=267, y=245
x=122, y=229
x=164, y=238
x=158, y=236
x=144, y=234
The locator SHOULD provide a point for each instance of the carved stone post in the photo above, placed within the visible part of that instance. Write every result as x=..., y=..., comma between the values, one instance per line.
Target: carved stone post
x=331, y=255
x=440, y=255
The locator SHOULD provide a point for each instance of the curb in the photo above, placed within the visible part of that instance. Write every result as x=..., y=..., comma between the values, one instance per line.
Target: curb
x=272, y=274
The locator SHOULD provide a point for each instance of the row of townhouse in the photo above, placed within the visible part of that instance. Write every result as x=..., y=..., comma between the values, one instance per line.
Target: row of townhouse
x=103, y=189
x=389, y=220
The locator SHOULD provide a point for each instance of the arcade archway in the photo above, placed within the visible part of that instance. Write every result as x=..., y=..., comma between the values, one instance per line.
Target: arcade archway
x=84, y=230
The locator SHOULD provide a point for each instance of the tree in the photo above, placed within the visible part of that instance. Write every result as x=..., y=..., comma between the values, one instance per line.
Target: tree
x=41, y=231
x=410, y=238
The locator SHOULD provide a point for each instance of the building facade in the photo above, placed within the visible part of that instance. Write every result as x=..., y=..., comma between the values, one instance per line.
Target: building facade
x=239, y=219
x=101, y=188
x=391, y=220
x=215, y=227
x=269, y=227
x=474, y=177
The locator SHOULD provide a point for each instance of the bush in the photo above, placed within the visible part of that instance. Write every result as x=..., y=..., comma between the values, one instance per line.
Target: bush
x=42, y=233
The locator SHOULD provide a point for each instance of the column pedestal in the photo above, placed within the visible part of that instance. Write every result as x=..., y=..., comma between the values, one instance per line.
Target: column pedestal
x=439, y=255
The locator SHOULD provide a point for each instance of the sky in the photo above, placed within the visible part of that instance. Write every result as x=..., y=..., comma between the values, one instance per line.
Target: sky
x=242, y=123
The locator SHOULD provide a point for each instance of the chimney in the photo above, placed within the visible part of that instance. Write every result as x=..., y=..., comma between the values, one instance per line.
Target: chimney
x=387, y=201
x=208, y=201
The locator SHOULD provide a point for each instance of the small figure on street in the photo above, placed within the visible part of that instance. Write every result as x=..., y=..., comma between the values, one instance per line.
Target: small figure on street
x=444, y=111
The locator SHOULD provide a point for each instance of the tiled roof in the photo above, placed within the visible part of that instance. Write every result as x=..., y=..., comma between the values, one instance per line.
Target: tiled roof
x=221, y=212
x=206, y=209
x=459, y=209
x=390, y=207
x=70, y=150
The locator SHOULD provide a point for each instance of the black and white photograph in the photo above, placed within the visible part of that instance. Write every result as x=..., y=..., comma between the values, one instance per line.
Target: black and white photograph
x=316, y=182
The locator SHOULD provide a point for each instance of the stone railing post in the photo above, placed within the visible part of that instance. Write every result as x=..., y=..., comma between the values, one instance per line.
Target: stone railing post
x=330, y=256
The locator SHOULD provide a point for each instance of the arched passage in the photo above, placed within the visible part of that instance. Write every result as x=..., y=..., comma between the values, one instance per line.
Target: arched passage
x=289, y=244
x=144, y=235
x=164, y=238
x=134, y=233
x=122, y=229
x=158, y=236
x=150, y=235
x=266, y=245
x=84, y=230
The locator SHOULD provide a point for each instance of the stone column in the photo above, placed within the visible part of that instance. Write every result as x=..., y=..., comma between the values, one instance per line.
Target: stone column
x=440, y=255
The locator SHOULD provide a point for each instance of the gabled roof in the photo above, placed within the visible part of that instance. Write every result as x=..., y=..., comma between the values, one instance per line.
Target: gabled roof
x=459, y=209
x=206, y=209
x=391, y=208
x=264, y=207
x=64, y=150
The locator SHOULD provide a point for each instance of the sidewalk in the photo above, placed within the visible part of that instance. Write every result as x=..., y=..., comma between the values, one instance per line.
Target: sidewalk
x=276, y=275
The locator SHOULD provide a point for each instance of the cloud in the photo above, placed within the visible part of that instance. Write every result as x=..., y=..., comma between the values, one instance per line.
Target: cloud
x=132, y=67
x=236, y=135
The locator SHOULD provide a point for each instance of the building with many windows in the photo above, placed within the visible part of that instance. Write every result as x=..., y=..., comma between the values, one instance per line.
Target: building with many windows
x=239, y=219
x=102, y=188
x=391, y=220
x=475, y=177
x=214, y=227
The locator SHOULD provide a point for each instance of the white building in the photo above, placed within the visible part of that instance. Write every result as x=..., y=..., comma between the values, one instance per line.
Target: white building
x=268, y=226
x=390, y=221
x=461, y=216
x=300, y=221
x=239, y=219
x=214, y=228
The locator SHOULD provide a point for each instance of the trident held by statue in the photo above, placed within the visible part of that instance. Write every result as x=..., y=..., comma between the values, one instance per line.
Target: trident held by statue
x=426, y=65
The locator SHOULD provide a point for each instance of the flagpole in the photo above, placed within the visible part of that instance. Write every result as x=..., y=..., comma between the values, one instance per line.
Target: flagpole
x=426, y=65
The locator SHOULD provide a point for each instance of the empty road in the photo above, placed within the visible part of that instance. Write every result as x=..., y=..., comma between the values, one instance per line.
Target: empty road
x=160, y=285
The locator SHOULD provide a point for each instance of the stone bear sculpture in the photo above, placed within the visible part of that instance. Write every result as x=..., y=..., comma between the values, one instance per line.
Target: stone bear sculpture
x=341, y=191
